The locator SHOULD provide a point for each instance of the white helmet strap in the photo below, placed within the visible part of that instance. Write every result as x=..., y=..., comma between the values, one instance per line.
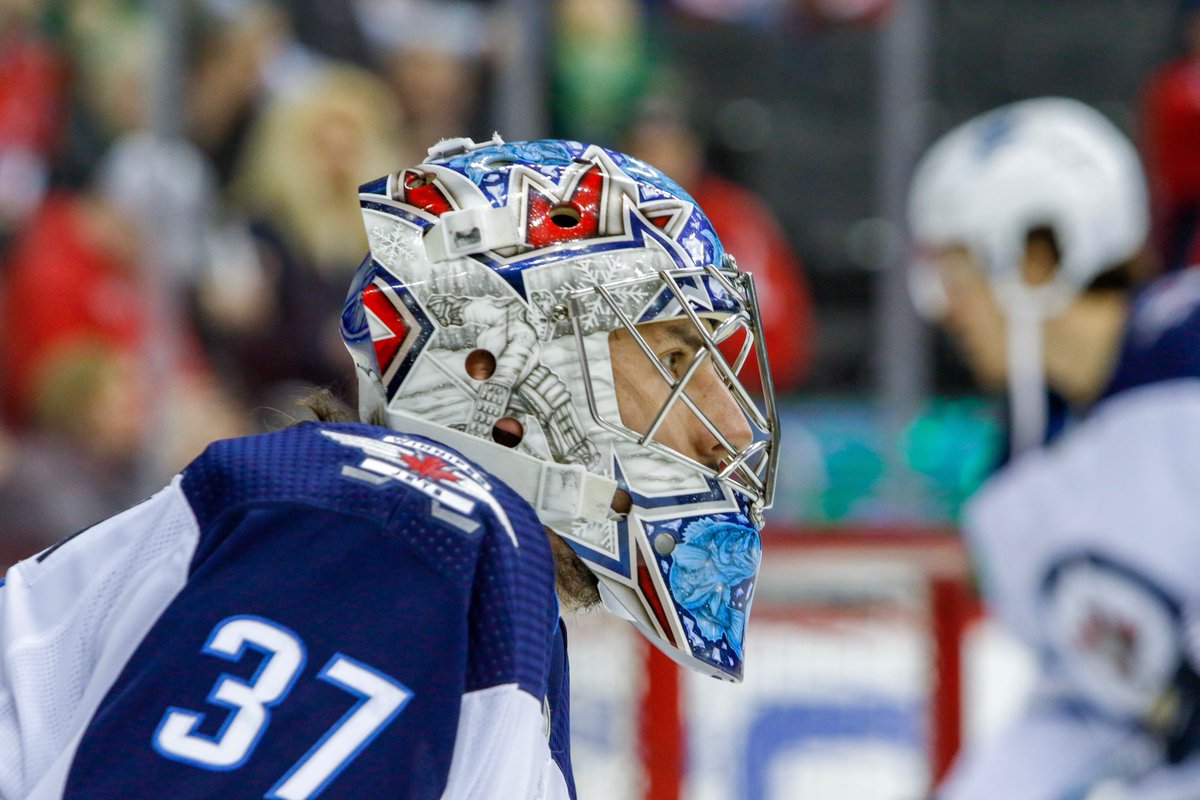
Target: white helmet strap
x=1026, y=309
x=1026, y=381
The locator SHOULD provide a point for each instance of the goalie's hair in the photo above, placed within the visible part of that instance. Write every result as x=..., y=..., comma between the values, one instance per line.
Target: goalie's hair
x=325, y=406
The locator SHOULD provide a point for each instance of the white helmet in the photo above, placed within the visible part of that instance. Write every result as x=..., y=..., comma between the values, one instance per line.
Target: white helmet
x=1045, y=163
x=481, y=318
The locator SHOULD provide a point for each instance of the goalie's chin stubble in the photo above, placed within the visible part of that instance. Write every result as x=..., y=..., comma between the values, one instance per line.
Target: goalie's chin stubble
x=574, y=582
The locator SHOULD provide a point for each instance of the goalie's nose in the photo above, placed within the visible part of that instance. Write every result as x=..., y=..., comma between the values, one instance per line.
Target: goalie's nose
x=716, y=403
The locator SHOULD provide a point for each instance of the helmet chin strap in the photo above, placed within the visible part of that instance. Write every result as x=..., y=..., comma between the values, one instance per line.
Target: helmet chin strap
x=559, y=493
x=1026, y=381
x=1026, y=309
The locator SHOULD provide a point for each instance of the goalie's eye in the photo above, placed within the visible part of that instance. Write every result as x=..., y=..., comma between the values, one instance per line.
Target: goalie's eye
x=674, y=361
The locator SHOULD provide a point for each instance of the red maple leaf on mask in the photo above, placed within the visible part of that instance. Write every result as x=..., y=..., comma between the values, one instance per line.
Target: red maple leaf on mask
x=430, y=467
x=546, y=223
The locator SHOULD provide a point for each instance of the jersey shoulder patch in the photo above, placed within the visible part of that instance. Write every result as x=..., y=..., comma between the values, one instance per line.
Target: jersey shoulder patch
x=407, y=485
x=1113, y=632
x=356, y=468
x=460, y=493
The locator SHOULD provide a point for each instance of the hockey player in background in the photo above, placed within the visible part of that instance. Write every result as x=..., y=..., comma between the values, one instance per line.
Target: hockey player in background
x=1029, y=221
x=369, y=610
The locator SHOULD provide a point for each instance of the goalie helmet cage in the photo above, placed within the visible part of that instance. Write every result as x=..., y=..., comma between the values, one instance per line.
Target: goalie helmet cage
x=853, y=685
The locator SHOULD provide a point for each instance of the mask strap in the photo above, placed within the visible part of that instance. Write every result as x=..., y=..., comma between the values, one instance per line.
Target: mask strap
x=559, y=493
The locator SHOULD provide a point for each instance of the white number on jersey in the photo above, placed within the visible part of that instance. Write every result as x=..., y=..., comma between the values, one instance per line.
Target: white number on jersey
x=176, y=737
x=381, y=698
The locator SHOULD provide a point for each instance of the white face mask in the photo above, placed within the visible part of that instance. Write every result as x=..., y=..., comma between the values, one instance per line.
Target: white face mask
x=500, y=277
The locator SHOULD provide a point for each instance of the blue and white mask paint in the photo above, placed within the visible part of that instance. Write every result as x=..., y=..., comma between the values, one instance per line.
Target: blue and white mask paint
x=502, y=279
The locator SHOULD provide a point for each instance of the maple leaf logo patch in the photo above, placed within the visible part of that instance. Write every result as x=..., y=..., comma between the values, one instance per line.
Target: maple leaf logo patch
x=428, y=466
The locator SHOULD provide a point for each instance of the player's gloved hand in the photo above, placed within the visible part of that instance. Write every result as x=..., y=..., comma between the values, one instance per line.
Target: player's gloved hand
x=491, y=403
x=582, y=452
x=447, y=309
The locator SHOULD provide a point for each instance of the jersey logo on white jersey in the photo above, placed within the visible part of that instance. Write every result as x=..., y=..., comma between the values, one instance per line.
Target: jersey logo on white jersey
x=1110, y=638
x=1114, y=634
x=453, y=484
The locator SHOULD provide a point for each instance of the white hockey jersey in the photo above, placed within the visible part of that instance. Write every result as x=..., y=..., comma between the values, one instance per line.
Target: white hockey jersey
x=1088, y=550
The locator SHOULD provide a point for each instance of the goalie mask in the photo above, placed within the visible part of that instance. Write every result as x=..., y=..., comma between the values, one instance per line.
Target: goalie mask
x=504, y=280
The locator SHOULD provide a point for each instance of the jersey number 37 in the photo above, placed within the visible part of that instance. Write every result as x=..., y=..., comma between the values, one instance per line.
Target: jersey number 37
x=380, y=699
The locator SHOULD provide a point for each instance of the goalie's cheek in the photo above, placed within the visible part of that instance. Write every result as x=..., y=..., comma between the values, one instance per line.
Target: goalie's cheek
x=641, y=395
x=642, y=392
x=640, y=389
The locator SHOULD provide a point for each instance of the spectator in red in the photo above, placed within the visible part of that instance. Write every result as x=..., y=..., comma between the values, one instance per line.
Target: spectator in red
x=660, y=135
x=71, y=275
x=31, y=98
x=1171, y=144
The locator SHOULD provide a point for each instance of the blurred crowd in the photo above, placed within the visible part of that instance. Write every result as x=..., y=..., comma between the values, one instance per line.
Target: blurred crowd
x=1170, y=119
x=178, y=214
x=179, y=221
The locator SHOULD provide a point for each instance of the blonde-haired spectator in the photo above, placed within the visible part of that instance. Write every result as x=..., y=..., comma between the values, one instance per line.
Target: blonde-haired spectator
x=306, y=156
x=296, y=182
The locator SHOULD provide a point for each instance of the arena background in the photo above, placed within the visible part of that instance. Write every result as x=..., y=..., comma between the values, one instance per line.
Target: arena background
x=869, y=662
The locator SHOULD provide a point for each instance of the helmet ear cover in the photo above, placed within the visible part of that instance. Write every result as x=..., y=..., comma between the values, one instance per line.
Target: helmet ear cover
x=482, y=318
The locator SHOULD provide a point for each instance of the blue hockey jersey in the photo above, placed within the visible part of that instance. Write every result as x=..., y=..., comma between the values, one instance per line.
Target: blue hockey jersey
x=329, y=610
x=1162, y=335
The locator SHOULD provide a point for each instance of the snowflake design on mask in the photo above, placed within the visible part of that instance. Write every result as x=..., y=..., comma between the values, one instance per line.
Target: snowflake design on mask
x=601, y=534
x=596, y=314
x=393, y=245
x=711, y=576
x=628, y=298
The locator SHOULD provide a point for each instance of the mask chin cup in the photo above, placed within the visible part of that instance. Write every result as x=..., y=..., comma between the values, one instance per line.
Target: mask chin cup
x=612, y=605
